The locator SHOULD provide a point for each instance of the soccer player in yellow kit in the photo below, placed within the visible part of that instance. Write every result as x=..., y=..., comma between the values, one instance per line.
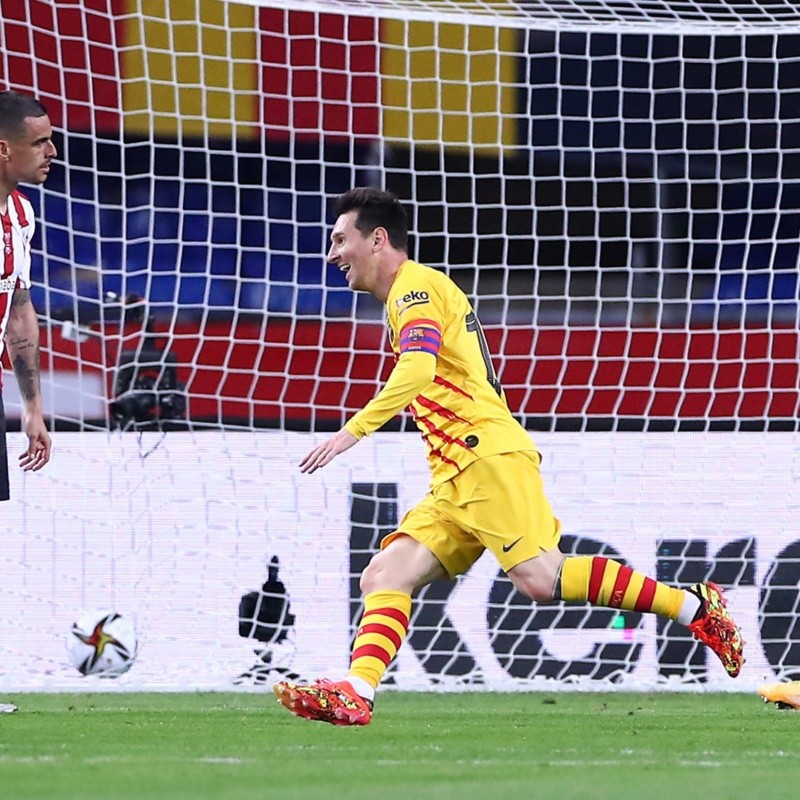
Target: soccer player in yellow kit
x=486, y=490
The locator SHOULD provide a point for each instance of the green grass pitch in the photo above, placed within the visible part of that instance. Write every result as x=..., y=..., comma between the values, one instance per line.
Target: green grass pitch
x=565, y=746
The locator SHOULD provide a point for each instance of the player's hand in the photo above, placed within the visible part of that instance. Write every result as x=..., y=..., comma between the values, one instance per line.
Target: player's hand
x=324, y=453
x=38, y=452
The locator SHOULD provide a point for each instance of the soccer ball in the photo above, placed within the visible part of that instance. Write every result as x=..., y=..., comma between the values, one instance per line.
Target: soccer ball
x=102, y=643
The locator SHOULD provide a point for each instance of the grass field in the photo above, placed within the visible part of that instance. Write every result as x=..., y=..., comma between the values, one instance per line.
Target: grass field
x=443, y=746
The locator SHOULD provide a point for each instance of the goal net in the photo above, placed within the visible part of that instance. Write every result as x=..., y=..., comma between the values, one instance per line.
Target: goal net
x=616, y=187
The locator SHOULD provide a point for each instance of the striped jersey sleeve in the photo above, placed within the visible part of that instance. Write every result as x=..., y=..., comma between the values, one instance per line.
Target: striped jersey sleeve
x=421, y=334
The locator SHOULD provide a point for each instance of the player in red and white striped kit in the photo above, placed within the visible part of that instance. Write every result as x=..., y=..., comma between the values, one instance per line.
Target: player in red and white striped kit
x=26, y=151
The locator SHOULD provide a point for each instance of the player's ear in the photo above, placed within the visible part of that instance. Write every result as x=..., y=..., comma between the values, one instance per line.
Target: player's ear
x=379, y=238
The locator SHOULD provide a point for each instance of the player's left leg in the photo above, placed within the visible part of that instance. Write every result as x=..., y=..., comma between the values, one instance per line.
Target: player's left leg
x=324, y=701
x=4, y=479
x=387, y=583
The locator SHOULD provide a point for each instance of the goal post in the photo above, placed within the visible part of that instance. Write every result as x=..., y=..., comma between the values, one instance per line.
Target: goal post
x=616, y=187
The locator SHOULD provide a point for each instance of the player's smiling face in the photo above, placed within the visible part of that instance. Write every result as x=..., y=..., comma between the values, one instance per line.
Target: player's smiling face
x=27, y=158
x=353, y=253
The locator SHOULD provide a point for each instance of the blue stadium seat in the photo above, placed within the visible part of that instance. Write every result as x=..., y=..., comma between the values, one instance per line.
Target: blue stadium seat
x=191, y=290
x=195, y=227
x=281, y=237
x=111, y=254
x=253, y=264
x=83, y=216
x=195, y=196
x=56, y=242
x=164, y=257
x=224, y=200
x=310, y=207
x=167, y=194
x=224, y=230
x=281, y=267
x=137, y=256
x=168, y=238
x=111, y=222
x=253, y=233
x=281, y=299
x=85, y=249
x=252, y=295
x=310, y=270
x=55, y=210
x=279, y=205
x=338, y=303
x=162, y=289
x=166, y=224
x=310, y=239
x=193, y=258
x=224, y=261
x=309, y=302
x=222, y=293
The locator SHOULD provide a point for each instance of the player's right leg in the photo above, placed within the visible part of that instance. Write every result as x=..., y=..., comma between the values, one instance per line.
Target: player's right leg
x=523, y=534
x=714, y=626
x=605, y=582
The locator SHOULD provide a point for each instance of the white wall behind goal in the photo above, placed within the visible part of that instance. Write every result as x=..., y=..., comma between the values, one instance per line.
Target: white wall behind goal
x=173, y=529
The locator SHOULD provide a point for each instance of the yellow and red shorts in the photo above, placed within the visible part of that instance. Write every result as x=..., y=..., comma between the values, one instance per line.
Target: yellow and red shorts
x=497, y=503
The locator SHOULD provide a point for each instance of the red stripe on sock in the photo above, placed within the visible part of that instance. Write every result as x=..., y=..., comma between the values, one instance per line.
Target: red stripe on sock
x=371, y=650
x=392, y=613
x=620, y=585
x=382, y=630
x=644, y=602
x=596, y=578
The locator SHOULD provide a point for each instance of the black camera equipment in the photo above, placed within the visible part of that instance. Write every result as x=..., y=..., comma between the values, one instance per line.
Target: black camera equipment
x=266, y=616
x=146, y=388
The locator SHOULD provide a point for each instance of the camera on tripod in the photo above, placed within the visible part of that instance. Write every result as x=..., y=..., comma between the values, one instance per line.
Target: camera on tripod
x=146, y=388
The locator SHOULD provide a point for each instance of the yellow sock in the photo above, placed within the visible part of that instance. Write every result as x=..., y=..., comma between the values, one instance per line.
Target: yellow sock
x=603, y=582
x=382, y=630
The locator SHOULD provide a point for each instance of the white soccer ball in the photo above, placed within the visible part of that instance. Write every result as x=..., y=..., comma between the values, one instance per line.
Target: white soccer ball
x=102, y=643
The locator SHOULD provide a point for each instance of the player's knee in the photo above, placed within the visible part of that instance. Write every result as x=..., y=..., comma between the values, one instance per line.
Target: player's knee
x=403, y=566
x=536, y=589
x=372, y=577
x=537, y=577
x=381, y=575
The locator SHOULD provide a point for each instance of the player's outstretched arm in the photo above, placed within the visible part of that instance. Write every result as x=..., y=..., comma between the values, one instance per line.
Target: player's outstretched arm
x=324, y=453
x=411, y=374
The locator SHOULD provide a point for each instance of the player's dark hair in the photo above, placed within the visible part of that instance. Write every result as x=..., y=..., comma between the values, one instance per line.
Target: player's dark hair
x=376, y=209
x=14, y=108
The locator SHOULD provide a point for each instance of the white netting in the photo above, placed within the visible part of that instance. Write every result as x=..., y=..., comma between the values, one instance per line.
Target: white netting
x=711, y=16
x=615, y=185
x=622, y=208
x=186, y=532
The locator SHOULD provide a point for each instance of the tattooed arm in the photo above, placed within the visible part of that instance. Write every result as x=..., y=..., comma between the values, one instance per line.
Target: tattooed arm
x=22, y=341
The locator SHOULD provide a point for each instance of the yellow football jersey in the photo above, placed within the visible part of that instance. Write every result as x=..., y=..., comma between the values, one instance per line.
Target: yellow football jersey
x=462, y=413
